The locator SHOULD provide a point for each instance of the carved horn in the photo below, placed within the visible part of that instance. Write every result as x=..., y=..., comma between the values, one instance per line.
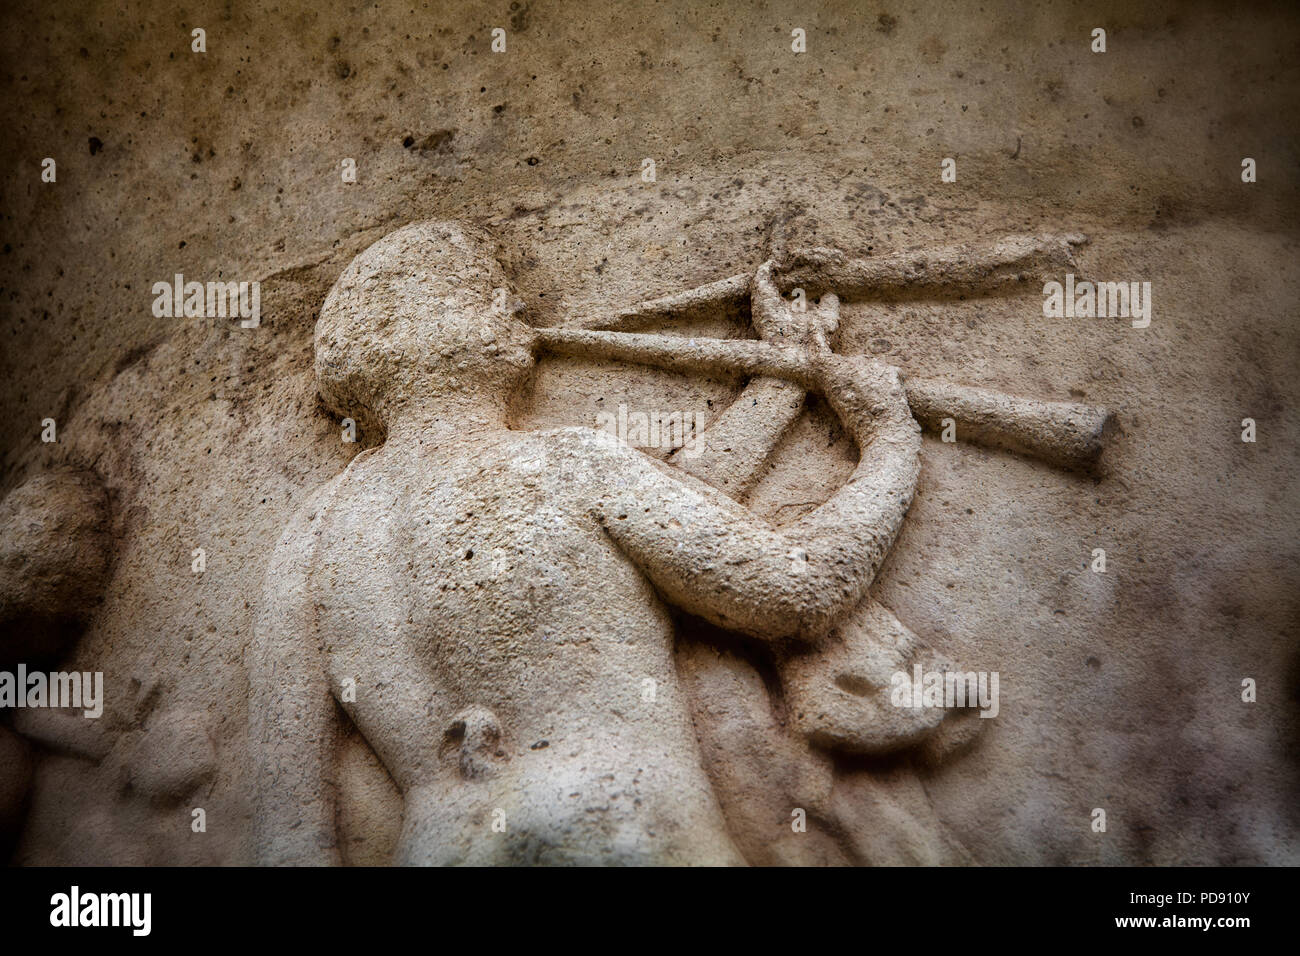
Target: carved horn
x=1064, y=434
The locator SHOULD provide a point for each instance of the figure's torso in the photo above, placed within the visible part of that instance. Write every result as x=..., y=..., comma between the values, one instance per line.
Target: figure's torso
x=508, y=657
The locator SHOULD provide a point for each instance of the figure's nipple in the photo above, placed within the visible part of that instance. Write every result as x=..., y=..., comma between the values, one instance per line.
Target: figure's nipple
x=474, y=740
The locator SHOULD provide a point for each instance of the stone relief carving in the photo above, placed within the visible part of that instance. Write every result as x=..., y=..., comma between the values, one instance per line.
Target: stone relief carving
x=658, y=315
x=488, y=606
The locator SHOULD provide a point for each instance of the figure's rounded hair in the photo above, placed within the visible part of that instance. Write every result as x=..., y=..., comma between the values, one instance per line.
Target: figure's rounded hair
x=386, y=311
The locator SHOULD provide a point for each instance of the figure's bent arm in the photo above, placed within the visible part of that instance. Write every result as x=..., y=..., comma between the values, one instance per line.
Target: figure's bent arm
x=718, y=560
x=292, y=721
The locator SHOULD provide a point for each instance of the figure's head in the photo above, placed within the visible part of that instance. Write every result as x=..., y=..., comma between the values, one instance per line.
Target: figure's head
x=423, y=314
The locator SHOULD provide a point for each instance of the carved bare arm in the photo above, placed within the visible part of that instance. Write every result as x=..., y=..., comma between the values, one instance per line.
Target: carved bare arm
x=292, y=722
x=716, y=559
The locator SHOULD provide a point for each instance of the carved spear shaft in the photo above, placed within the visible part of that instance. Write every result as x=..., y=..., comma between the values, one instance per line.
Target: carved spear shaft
x=967, y=269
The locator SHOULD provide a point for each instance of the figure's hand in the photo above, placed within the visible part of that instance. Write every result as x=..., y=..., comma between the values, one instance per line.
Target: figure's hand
x=776, y=320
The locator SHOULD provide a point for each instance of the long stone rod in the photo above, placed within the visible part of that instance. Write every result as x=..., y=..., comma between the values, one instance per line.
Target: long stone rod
x=1064, y=434
x=971, y=268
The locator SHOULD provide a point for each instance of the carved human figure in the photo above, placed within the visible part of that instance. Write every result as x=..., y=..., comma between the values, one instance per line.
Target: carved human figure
x=489, y=606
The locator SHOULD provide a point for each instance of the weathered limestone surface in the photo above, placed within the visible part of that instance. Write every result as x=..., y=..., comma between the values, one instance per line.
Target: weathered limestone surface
x=1119, y=690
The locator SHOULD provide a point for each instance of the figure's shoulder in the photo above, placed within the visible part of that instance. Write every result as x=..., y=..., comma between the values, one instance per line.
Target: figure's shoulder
x=308, y=515
x=592, y=453
x=578, y=438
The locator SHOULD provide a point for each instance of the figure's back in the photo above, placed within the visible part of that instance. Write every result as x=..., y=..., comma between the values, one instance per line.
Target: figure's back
x=511, y=665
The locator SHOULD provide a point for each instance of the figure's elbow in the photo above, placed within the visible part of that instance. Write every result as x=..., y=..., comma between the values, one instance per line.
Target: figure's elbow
x=806, y=601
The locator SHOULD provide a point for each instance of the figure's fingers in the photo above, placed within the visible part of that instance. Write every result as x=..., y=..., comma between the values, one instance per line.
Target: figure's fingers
x=767, y=306
x=871, y=380
x=765, y=290
x=828, y=313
